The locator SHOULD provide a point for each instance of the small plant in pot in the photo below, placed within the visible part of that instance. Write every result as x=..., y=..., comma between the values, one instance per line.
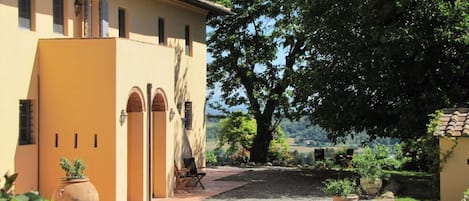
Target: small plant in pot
x=370, y=171
x=75, y=185
x=340, y=189
x=75, y=171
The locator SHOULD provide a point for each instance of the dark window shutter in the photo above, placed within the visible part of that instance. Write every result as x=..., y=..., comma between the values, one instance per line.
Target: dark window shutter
x=188, y=115
x=121, y=16
x=24, y=13
x=103, y=18
x=58, y=15
x=161, y=35
x=26, y=120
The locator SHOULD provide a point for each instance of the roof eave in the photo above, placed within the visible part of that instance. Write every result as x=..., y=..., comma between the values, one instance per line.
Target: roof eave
x=214, y=9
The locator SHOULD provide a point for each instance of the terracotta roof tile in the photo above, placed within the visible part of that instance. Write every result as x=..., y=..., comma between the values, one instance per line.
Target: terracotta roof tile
x=454, y=122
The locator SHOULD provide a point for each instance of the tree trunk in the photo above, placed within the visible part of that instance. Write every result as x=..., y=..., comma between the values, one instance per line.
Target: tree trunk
x=261, y=143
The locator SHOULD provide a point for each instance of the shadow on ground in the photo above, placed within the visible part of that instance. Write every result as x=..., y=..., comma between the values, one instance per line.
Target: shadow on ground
x=279, y=183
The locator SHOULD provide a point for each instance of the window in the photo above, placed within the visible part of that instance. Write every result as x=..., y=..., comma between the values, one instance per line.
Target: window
x=187, y=37
x=161, y=35
x=103, y=18
x=122, y=30
x=26, y=122
x=58, y=16
x=188, y=115
x=24, y=13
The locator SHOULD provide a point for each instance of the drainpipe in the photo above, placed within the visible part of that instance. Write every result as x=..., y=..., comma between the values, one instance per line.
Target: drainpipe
x=149, y=111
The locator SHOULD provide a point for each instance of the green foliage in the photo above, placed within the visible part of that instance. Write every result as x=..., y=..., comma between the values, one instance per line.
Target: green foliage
x=465, y=195
x=7, y=188
x=381, y=66
x=75, y=171
x=226, y=3
x=367, y=165
x=339, y=187
x=6, y=192
x=245, y=66
x=211, y=158
x=238, y=131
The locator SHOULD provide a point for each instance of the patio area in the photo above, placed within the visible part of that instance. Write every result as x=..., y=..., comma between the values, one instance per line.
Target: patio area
x=212, y=186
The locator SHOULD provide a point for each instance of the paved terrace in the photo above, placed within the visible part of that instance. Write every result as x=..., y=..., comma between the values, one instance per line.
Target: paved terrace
x=212, y=186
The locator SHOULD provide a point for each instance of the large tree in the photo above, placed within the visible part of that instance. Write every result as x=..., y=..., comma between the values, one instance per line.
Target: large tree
x=382, y=66
x=244, y=47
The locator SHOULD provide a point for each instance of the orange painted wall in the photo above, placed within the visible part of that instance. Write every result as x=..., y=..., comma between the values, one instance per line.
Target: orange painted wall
x=135, y=156
x=160, y=189
x=77, y=90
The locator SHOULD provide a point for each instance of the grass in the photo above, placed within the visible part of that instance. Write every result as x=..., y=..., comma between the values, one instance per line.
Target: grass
x=408, y=173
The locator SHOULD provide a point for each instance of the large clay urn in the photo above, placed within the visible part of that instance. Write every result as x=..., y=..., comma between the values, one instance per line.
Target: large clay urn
x=77, y=190
x=348, y=198
x=371, y=187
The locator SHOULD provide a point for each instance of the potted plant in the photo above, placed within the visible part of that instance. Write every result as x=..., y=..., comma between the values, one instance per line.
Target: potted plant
x=75, y=185
x=340, y=189
x=370, y=171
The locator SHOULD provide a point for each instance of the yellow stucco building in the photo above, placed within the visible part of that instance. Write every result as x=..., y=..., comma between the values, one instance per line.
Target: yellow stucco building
x=118, y=83
x=453, y=133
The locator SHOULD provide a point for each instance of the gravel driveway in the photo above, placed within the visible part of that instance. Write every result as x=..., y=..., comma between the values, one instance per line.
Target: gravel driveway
x=278, y=183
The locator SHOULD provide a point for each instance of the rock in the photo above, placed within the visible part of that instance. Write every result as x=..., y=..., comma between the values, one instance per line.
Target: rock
x=268, y=164
x=387, y=196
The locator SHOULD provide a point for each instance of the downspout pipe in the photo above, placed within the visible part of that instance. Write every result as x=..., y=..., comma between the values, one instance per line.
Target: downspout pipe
x=149, y=113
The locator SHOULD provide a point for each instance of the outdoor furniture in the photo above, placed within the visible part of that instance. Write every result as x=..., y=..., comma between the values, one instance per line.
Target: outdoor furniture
x=319, y=154
x=197, y=176
x=182, y=180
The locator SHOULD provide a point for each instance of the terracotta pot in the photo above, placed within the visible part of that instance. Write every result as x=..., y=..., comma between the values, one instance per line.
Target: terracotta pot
x=348, y=198
x=77, y=190
x=371, y=187
x=338, y=198
x=352, y=198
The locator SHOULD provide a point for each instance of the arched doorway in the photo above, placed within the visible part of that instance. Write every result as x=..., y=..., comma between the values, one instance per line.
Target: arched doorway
x=135, y=131
x=159, y=169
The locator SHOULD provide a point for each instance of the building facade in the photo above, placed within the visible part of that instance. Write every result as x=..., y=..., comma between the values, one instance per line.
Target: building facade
x=453, y=133
x=117, y=83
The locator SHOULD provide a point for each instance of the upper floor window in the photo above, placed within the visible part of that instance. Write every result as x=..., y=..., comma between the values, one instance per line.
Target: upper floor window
x=122, y=20
x=161, y=32
x=103, y=18
x=58, y=15
x=24, y=13
x=188, y=42
x=188, y=115
x=26, y=122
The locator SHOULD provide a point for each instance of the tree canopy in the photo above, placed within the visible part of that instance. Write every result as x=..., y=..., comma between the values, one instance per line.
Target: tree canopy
x=245, y=48
x=382, y=66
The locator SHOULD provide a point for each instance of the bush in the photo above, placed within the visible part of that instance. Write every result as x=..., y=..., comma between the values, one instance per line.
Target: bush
x=210, y=158
x=367, y=165
x=339, y=187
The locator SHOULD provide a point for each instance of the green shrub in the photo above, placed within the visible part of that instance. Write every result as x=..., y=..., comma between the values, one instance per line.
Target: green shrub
x=6, y=191
x=339, y=187
x=367, y=165
x=210, y=158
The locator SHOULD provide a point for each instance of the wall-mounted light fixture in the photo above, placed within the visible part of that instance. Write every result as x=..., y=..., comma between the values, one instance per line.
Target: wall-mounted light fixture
x=122, y=117
x=171, y=114
x=78, y=5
